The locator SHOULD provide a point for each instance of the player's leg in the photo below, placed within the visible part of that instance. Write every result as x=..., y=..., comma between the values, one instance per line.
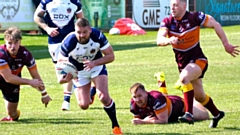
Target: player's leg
x=189, y=73
x=199, y=112
x=160, y=76
x=82, y=95
x=101, y=83
x=11, y=104
x=67, y=92
x=67, y=87
x=207, y=102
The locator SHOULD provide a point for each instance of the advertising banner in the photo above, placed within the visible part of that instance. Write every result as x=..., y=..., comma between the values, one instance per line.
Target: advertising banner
x=226, y=12
x=150, y=13
x=18, y=13
x=102, y=14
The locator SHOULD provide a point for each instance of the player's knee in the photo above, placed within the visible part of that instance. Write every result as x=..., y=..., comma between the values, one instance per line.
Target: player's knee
x=83, y=106
x=184, y=80
x=104, y=98
x=200, y=98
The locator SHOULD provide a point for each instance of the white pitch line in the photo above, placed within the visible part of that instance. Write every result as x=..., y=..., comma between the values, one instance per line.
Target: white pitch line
x=149, y=41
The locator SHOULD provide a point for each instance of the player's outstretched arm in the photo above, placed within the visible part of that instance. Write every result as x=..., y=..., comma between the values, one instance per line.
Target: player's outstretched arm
x=35, y=75
x=229, y=48
x=14, y=79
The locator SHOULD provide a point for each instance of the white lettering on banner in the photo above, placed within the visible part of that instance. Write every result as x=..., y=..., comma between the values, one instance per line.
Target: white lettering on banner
x=150, y=13
x=229, y=17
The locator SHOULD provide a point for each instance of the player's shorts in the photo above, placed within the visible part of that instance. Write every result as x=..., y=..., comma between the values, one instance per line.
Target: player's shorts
x=54, y=50
x=203, y=64
x=10, y=92
x=178, y=108
x=84, y=77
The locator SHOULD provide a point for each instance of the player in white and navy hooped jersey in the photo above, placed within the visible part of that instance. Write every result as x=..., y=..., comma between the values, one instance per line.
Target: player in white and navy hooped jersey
x=89, y=50
x=57, y=17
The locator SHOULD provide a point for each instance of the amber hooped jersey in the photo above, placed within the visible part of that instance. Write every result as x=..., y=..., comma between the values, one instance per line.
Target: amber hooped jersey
x=76, y=51
x=187, y=29
x=156, y=104
x=60, y=14
x=23, y=58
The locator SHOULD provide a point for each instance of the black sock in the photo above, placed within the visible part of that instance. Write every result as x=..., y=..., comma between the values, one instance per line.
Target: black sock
x=111, y=112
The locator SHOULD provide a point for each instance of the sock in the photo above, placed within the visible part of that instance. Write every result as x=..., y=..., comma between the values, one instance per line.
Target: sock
x=92, y=91
x=162, y=87
x=17, y=116
x=67, y=96
x=188, y=94
x=208, y=103
x=111, y=112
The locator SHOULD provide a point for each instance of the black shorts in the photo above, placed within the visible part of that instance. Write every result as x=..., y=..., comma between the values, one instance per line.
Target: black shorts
x=10, y=92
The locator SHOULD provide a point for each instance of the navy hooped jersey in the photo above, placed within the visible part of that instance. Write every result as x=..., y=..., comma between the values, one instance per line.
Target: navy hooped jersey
x=91, y=51
x=60, y=14
x=23, y=58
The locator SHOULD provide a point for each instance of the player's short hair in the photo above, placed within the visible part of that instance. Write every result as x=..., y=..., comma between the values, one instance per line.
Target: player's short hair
x=82, y=22
x=13, y=33
x=135, y=87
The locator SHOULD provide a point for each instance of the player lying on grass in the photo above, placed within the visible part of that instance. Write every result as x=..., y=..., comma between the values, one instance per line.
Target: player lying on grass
x=154, y=107
x=13, y=57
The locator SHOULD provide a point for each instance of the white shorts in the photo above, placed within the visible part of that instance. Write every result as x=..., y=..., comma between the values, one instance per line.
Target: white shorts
x=54, y=50
x=84, y=77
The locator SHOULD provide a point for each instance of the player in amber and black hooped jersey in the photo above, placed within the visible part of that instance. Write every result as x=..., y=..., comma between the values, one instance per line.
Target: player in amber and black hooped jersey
x=182, y=30
x=13, y=57
x=57, y=17
x=89, y=50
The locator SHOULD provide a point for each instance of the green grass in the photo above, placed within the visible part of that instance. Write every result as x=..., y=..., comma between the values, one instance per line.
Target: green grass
x=137, y=59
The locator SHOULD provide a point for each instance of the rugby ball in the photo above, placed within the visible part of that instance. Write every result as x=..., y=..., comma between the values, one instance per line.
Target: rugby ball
x=63, y=68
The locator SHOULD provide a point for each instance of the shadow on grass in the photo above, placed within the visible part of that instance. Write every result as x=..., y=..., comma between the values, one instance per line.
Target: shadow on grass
x=51, y=121
x=232, y=128
x=155, y=134
x=117, y=47
x=100, y=108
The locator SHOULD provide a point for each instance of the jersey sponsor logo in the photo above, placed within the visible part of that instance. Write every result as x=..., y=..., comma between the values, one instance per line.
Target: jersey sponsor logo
x=15, y=90
x=61, y=16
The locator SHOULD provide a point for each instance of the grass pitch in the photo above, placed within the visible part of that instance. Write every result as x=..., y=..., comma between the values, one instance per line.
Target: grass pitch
x=137, y=59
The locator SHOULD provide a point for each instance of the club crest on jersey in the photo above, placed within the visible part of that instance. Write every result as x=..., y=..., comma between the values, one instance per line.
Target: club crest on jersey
x=93, y=51
x=69, y=10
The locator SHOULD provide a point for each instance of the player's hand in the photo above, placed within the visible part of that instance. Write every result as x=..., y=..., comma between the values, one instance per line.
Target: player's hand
x=149, y=118
x=232, y=49
x=88, y=65
x=36, y=83
x=136, y=121
x=46, y=100
x=65, y=78
x=52, y=31
x=174, y=40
